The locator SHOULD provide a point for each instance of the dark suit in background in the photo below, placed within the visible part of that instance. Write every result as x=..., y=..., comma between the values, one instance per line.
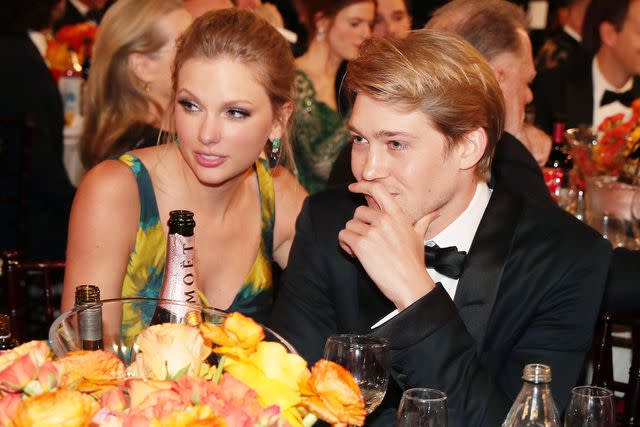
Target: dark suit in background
x=72, y=16
x=530, y=292
x=27, y=87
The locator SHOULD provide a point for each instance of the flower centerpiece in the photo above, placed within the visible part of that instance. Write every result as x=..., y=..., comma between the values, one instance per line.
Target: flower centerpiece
x=70, y=47
x=171, y=382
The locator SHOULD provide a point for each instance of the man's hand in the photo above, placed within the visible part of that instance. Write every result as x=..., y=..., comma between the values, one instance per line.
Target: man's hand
x=537, y=142
x=388, y=245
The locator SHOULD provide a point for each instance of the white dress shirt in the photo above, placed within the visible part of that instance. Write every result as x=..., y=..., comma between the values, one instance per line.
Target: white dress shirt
x=459, y=233
x=600, y=84
x=572, y=33
x=82, y=8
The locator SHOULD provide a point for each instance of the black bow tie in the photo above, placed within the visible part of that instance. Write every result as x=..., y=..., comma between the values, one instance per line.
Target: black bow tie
x=625, y=98
x=447, y=261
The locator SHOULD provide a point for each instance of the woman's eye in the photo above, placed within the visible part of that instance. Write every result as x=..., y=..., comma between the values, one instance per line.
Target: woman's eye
x=237, y=113
x=188, y=106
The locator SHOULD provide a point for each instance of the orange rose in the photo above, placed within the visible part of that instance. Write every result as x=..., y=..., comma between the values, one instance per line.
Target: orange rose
x=60, y=408
x=91, y=371
x=8, y=405
x=333, y=395
x=21, y=365
x=237, y=337
x=114, y=400
x=198, y=416
x=142, y=392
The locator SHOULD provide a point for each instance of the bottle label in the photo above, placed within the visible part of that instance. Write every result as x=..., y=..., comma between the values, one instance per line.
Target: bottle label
x=179, y=283
x=553, y=178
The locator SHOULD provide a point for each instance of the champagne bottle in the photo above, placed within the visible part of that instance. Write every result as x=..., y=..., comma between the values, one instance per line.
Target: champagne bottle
x=179, y=283
x=534, y=406
x=6, y=341
x=89, y=317
x=556, y=170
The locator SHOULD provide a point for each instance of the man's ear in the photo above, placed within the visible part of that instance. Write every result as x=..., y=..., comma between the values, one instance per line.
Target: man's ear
x=141, y=65
x=608, y=34
x=471, y=148
x=281, y=118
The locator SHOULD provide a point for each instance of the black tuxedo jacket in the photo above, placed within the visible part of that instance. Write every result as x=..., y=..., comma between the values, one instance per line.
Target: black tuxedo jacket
x=530, y=292
x=565, y=94
x=27, y=87
x=72, y=16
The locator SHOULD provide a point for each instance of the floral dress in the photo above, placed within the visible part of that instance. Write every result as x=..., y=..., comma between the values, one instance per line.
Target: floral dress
x=319, y=135
x=145, y=270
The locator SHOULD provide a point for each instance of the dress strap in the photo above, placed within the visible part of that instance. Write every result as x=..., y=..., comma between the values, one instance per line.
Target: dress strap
x=267, y=205
x=149, y=215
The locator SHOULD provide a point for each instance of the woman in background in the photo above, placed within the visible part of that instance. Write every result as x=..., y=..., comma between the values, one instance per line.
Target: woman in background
x=336, y=30
x=129, y=86
x=231, y=101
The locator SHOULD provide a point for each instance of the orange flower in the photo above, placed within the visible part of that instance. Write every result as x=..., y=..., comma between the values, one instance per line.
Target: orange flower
x=91, y=371
x=237, y=337
x=60, y=408
x=8, y=405
x=143, y=393
x=114, y=400
x=19, y=366
x=198, y=416
x=333, y=395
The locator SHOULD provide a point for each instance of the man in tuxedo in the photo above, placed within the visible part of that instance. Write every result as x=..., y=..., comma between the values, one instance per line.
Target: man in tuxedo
x=603, y=83
x=387, y=256
x=392, y=18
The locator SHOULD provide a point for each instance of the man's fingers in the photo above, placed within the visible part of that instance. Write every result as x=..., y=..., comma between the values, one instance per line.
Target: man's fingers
x=380, y=194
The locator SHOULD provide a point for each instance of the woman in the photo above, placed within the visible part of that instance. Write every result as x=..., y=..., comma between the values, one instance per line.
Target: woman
x=336, y=30
x=232, y=85
x=129, y=87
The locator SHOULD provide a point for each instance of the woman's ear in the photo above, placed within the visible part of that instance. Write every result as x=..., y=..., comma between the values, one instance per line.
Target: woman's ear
x=321, y=23
x=471, y=148
x=142, y=66
x=281, y=118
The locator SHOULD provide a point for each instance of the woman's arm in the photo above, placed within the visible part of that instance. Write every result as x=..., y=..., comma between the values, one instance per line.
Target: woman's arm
x=289, y=197
x=102, y=231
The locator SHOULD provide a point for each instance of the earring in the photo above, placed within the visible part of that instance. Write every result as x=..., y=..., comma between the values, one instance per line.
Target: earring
x=147, y=87
x=274, y=155
x=176, y=139
x=320, y=35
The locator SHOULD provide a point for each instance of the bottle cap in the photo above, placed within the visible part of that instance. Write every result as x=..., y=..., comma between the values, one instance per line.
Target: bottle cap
x=193, y=318
x=87, y=294
x=537, y=373
x=181, y=222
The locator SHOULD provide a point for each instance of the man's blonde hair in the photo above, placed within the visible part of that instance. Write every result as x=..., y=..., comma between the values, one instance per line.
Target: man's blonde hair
x=438, y=74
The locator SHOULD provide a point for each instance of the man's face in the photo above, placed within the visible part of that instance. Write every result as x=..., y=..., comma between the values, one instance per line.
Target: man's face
x=626, y=45
x=515, y=71
x=392, y=19
x=401, y=150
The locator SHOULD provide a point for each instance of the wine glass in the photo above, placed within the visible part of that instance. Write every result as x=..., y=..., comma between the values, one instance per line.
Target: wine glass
x=590, y=406
x=422, y=407
x=368, y=360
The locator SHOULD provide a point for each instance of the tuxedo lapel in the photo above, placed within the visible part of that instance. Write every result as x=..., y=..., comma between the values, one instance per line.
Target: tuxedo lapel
x=372, y=304
x=484, y=265
x=579, y=96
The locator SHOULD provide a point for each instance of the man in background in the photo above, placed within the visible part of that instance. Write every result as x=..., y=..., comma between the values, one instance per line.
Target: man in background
x=392, y=18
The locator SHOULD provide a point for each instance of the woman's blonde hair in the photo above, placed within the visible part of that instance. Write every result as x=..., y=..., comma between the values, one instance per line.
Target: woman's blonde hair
x=241, y=35
x=438, y=74
x=115, y=98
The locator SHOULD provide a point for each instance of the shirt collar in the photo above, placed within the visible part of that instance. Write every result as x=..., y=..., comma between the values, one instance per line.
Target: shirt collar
x=82, y=8
x=572, y=33
x=600, y=82
x=461, y=231
x=40, y=40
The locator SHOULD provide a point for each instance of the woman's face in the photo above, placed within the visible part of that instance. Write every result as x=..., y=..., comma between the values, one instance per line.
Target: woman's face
x=350, y=27
x=173, y=24
x=223, y=116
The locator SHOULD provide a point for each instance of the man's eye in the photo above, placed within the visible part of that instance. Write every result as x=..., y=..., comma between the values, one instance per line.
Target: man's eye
x=188, y=106
x=395, y=145
x=358, y=139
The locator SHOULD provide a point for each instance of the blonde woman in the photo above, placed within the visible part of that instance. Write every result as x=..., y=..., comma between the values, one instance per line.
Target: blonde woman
x=232, y=85
x=129, y=86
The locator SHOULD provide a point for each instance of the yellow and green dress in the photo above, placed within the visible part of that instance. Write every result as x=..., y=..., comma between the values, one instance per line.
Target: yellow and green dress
x=146, y=261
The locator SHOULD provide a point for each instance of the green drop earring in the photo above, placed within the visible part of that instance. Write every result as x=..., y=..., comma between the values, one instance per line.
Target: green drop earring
x=177, y=140
x=274, y=155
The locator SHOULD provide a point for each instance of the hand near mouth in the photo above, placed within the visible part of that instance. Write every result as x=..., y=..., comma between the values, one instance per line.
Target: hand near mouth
x=388, y=244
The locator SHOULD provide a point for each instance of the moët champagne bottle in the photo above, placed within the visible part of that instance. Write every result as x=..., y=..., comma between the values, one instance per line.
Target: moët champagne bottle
x=7, y=342
x=89, y=317
x=179, y=283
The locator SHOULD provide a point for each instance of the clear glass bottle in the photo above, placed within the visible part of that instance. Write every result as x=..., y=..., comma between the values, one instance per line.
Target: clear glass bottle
x=89, y=319
x=179, y=282
x=7, y=342
x=534, y=406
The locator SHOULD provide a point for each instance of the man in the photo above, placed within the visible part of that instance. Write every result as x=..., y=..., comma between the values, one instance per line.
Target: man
x=498, y=29
x=392, y=18
x=567, y=41
x=428, y=112
x=588, y=91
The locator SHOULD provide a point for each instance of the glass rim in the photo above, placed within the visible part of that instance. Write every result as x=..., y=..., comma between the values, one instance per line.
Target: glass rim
x=439, y=395
x=586, y=391
x=359, y=340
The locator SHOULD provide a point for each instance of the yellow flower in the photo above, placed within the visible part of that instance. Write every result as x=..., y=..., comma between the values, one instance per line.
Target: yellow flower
x=91, y=371
x=333, y=395
x=60, y=408
x=169, y=351
x=195, y=416
x=237, y=337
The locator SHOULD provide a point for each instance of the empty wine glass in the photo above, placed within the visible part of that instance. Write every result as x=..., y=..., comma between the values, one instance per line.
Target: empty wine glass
x=590, y=406
x=422, y=407
x=368, y=360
